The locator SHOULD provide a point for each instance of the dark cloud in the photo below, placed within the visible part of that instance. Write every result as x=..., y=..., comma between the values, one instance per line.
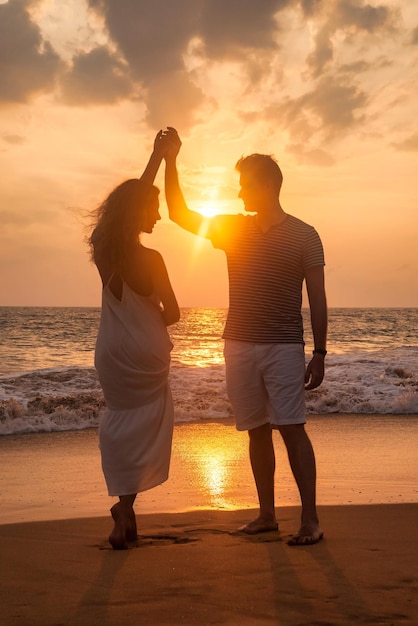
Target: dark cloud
x=154, y=35
x=310, y=7
x=349, y=17
x=230, y=28
x=335, y=103
x=13, y=139
x=323, y=114
x=408, y=145
x=20, y=217
x=28, y=65
x=323, y=51
x=175, y=99
x=414, y=36
x=315, y=156
x=96, y=77
x=150, y=40
x=363, y=16
x=357, y=67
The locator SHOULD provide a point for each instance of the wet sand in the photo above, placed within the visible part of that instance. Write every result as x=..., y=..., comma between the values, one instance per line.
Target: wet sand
x=188, y=569
x=57, y=568
x=360, y=460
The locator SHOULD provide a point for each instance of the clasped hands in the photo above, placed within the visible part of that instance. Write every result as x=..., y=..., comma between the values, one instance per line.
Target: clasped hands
x=167, y=143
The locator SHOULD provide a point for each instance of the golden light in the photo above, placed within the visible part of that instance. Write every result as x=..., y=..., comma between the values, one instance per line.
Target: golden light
x=211, y=205
x=214, y=462
x=207, y=209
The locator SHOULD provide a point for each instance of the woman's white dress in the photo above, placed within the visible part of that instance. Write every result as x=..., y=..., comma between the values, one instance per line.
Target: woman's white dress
x=132, y=360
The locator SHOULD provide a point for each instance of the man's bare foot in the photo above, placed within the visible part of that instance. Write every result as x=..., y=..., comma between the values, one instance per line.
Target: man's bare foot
x=259, y=525
x=124, y=527
x=306, y=536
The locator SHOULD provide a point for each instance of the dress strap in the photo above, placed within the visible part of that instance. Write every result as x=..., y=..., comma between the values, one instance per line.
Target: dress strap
x=115, y=285
x=110, y=278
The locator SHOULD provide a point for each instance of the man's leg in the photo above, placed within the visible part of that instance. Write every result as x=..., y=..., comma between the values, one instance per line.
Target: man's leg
x=263, y=465
x=302, y=463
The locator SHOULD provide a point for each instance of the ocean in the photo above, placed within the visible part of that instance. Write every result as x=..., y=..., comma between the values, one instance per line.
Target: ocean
x=48, y=381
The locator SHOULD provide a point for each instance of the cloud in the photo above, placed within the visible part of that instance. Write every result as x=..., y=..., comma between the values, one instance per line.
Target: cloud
x=175, y=57
x=408, y=145
x=96, y=77
x=347, y=17
x=357, y=67
x=174, y=98
x=414, y=36
x=354, y=13
x=229, y=29
x=310, y=7
x=151, y=35
x=326, y=112
x=21, y=218
x=13, y=139
x=28, y=64
x=316, y=156
x=335, y=103
x=154, y=36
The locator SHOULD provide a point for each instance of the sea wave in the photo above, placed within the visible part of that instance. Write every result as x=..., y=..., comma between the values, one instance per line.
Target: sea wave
x=70, y=398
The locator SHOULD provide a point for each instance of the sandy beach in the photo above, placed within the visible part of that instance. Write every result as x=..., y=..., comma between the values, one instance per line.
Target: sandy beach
x=57, y=567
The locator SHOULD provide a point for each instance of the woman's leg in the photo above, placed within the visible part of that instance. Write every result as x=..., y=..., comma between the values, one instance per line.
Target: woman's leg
x=124, y=529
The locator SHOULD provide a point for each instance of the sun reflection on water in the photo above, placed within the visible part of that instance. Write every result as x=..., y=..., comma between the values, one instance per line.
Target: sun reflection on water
x=197, y=337
x=213, y=461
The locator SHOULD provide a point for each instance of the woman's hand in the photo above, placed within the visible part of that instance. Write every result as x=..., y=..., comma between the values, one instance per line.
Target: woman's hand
x=160, y=146
x=172, y=143
x=167, y=143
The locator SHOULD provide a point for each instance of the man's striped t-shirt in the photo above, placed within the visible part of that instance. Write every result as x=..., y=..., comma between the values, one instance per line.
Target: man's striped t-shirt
x=266, y=273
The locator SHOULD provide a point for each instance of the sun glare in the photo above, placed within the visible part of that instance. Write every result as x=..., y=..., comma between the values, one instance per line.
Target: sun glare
x=208, y=208
x=211, y=205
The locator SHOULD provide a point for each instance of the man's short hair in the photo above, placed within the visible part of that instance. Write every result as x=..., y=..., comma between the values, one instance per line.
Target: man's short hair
x=264, y=166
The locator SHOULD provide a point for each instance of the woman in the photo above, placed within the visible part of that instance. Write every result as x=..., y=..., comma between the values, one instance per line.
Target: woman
x=133, y=347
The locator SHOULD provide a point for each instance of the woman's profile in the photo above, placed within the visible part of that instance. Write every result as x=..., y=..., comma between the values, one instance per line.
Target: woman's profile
x=132, y=355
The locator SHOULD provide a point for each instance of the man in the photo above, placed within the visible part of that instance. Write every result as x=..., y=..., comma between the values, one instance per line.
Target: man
x=269, y=255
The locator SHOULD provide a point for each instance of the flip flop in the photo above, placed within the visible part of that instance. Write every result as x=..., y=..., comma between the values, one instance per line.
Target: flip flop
x=300, y=539
x=254, y=528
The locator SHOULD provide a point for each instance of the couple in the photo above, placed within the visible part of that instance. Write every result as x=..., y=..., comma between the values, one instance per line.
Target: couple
x=269, y=253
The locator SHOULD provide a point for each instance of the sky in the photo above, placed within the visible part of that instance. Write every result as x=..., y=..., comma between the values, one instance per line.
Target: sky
x=329, y=87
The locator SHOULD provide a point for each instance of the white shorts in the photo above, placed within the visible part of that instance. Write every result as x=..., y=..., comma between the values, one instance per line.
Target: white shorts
x=265, y=383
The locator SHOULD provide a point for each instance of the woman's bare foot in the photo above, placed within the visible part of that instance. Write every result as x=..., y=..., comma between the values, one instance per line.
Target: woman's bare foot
x=131, y=531
x=123, y=529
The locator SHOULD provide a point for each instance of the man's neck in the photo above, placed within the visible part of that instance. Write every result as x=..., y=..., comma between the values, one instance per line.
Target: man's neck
x=272, y=216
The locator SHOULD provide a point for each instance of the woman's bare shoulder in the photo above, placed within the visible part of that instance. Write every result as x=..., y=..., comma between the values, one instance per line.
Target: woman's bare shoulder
x=152, y=256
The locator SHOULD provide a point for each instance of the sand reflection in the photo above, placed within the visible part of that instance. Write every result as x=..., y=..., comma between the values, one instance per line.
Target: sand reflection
x=213, y=459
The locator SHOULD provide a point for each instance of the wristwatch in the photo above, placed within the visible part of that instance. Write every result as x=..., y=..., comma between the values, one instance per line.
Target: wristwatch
x=319, y=351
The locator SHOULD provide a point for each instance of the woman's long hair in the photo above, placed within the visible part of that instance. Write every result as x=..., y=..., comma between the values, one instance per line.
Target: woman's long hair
x=117, y=221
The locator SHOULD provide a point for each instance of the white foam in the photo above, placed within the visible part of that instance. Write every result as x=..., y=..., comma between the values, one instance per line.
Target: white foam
x=382, y=382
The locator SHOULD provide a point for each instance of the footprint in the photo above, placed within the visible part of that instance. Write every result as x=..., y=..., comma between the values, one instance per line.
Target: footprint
x=163, y=539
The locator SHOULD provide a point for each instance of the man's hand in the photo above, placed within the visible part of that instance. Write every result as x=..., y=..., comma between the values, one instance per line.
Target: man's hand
x=167, y=143
x=173, y=142
x=314, y=374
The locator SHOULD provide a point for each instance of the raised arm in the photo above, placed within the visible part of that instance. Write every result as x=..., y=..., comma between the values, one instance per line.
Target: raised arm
x=315, y=285
x=157, y=155
x=177, y=207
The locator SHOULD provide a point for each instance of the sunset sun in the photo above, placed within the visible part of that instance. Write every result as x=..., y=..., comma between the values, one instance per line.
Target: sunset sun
x=211, y=205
